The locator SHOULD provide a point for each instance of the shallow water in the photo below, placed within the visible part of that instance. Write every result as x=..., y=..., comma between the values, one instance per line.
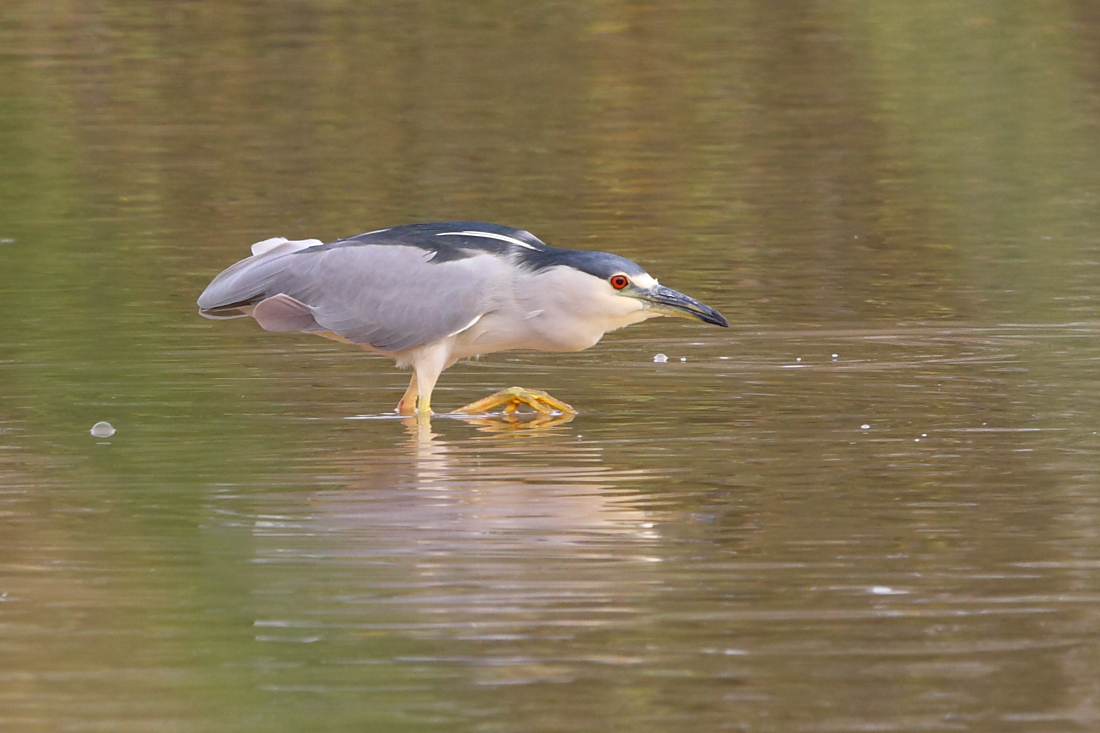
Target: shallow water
x=871, y=504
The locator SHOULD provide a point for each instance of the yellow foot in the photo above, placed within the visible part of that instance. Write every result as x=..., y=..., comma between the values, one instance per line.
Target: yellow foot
x=514, y=397
x=509, y=422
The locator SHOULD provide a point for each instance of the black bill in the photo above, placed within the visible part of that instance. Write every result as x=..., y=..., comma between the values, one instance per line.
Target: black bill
x=674, y=303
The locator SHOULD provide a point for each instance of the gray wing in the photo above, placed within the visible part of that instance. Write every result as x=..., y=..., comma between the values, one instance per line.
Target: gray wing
x=390, y=297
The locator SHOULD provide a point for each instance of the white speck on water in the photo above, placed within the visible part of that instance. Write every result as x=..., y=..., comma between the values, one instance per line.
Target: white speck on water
x=885, y=590
x=683, y=358
x=102, y=429
x=916, y=440
x=924, y=435
x=798, y=358
x=835, y=356
x=865, y=426
x=660, y=358
x=724, y=358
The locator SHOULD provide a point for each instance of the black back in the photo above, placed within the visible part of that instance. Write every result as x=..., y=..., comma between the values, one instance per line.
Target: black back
x=455, y=240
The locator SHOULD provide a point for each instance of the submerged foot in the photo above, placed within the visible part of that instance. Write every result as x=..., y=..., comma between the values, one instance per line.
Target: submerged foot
x=514, y=397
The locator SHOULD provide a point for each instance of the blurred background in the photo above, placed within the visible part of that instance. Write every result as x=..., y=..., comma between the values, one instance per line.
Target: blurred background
x=871, y=504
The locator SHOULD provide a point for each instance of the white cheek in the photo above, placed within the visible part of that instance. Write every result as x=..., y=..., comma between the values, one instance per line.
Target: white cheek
x=644, y=281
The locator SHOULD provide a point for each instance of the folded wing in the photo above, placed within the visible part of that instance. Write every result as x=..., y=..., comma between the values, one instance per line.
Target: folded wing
x=381, y=295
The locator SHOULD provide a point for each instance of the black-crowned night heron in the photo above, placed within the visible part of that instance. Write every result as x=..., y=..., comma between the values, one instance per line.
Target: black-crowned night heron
x=428, y=295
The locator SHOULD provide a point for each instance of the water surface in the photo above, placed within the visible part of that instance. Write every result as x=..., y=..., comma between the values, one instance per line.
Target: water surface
x=871, y=504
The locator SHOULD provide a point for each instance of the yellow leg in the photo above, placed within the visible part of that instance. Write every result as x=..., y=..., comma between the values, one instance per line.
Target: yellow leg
x=428, y=363
x=513, y=397
x=416, y=401
x=424, y=407
x=407, y=405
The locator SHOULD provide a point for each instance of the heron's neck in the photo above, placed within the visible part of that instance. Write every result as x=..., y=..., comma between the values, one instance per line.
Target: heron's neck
x=571, y=310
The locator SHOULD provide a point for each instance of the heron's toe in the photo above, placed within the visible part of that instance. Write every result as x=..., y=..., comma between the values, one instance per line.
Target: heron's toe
x=514, y=397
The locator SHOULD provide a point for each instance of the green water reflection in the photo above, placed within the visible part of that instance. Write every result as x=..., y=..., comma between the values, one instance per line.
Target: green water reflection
x=763, y=536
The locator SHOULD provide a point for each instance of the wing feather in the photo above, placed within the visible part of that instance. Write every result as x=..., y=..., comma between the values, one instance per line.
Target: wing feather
x=388, y=296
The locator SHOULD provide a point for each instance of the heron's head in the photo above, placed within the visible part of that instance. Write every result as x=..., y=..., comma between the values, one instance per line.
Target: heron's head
x=575, y=296
x=609, y=279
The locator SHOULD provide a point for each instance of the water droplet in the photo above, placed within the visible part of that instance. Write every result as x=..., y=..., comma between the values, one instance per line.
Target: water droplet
x=885, y=590
x=683, y=358
x=865, y=426
x=102, y=429
x=660, y=358
x=835, y=356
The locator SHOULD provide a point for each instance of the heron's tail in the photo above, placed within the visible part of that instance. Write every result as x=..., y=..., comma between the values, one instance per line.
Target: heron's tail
x=236, y=291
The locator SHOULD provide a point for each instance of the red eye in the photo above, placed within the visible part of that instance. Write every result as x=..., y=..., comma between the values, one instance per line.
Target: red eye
x=619, y=281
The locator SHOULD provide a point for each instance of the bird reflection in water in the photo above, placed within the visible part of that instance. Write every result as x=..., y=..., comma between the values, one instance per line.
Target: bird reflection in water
x=529, y=507
x=478, y=546
x=520, y=475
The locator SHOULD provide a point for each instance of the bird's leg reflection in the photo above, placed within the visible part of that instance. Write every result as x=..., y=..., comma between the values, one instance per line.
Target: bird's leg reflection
x=428, y=453
x=545, y=405
x=420, y=429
